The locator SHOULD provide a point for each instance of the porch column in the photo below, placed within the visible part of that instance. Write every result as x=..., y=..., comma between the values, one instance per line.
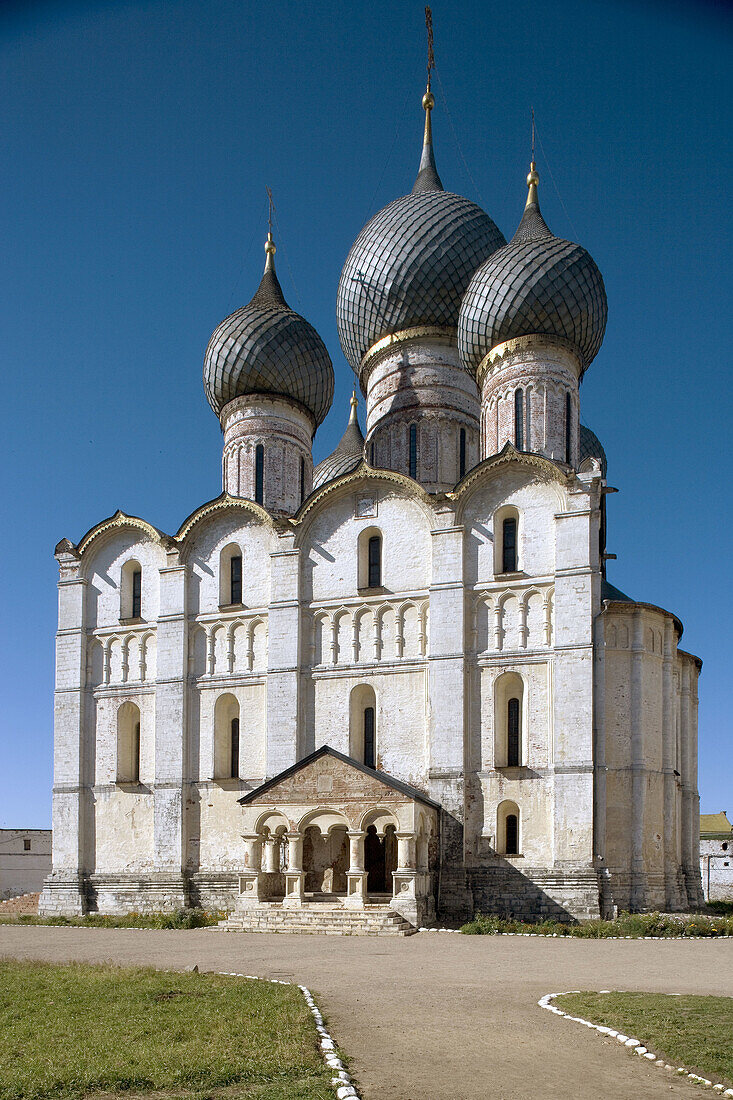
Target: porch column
x=356, y=876
x=403, y=879
x=272, y=852
x=251, y=884
x=295, y=875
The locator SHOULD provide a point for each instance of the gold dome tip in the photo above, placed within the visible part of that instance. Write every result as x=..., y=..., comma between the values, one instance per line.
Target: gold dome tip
x=270, y=245
x=533, y=177
x=428, y=101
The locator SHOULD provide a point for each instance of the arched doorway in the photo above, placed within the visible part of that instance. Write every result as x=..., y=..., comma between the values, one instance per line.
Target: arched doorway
x=380, y=859
x=325, y=860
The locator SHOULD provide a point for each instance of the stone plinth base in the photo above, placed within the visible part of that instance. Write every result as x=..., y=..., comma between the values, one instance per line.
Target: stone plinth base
x=63, y=896
x=535, y=894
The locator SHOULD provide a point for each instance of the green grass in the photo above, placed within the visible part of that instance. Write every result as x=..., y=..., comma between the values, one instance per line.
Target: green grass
x=177, y=918
x=80, y=1032
x=634, y=925
x=695, y=1032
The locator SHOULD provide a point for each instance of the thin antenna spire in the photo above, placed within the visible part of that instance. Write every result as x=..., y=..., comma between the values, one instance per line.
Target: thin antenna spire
x=533, y=178
x=431, y=55
x=270, y=243
x=427, y=176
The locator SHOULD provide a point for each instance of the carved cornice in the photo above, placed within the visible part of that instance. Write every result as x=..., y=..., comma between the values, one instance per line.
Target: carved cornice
x=532, y=344
x=364, y=472
x=119, y=521
x=510, y=456
x=222, y=504
x=435, y=333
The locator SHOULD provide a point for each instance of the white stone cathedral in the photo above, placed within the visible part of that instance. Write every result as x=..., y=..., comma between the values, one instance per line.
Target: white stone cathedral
x=398, y=686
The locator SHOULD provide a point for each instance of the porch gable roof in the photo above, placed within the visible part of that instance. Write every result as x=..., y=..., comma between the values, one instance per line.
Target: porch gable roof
x=326, y=750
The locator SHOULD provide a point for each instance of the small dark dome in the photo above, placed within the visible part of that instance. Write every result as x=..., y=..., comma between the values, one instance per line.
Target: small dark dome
x=267, y=348
x=411, y=263
x=591, y=447
x=347, y=455
x=538, y=284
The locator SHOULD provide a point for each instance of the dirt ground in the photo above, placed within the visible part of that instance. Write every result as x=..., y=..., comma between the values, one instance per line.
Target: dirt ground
x=439, y=1016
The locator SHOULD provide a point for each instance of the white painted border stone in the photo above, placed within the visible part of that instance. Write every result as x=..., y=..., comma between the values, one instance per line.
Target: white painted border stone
x=633, y=1044
x=341, y=1081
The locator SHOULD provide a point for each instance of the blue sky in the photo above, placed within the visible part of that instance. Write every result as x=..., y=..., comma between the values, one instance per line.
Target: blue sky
x=137, y=140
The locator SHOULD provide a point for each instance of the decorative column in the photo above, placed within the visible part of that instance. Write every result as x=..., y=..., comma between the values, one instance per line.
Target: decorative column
x=272, y=852
x=405, y=885
x=356, y=876
x=295, y=875
x=251, y=883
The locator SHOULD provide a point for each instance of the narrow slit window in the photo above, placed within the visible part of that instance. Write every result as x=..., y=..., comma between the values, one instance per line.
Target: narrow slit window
x=519, y=419
x=374, y=562
x=259, y=473
x=462, y=454
x=512, y=835
x=568, y=427
x=235, y=578
x=26, y=845
x=369, y=736
x=135, y=755
x=234, y=755
x=137, y=594
x=509, y=546
x=413, y=450
x=513, y=733
x=302, y=480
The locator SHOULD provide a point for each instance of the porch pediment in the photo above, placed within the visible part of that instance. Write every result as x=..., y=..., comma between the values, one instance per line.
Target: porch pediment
x=327, y=780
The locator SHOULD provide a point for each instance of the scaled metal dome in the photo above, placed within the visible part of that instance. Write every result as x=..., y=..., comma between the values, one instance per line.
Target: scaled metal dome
x=591, y=447
x=538, y=284
x=411, y=263
x=267, y=348
x=348, y=453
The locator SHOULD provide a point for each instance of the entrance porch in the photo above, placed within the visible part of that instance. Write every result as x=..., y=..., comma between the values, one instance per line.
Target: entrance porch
x=335, y=837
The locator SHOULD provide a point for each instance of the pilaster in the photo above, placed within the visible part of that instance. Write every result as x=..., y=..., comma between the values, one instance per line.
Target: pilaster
x=283, y=659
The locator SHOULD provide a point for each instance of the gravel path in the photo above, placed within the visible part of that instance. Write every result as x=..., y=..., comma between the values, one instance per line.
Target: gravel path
x=440, y=1016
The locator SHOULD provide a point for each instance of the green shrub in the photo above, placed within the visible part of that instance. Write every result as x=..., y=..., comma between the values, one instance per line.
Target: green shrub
x=634, y=925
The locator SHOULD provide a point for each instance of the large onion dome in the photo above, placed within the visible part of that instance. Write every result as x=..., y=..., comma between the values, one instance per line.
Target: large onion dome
x=267, y=348
x=347, y=455
x=410, y=265
x=538, y=284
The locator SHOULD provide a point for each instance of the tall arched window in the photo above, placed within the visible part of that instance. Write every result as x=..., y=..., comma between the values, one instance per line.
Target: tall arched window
x=507, y=829
x=128, y=743
x=511, y=838
x=226, y=737
x=369, y=736
x=234, y=737
x=413, y=450
x=230, y=575
x=363, y=725
x=509, y=545
x=568, y=428
x=462, y=454
x=519, y=419
x=259, y=473
x=131, y=590
x=374, y=552
x=509, y=695
x=513, y=733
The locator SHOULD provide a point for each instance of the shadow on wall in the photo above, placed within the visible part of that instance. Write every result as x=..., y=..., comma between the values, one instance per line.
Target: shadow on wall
x=504, y=891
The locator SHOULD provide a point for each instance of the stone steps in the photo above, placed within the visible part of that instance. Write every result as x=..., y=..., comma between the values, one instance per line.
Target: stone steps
x=319, y=918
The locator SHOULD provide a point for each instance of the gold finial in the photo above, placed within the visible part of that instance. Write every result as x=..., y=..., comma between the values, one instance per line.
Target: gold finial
x=353, y=419
x=270, y=249
x=532, y=180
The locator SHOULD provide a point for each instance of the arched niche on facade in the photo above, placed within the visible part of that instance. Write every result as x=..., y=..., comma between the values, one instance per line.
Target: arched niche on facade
x=131, y=589
x=226, y=737
x=509, y=721
x=128, y=743
x=363, y=725
x=231, y=575
x=370, y=559
x=508, y=829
